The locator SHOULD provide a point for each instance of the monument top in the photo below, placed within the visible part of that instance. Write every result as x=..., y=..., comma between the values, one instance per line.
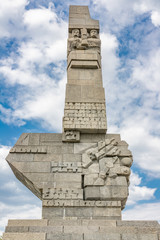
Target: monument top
x=85, y=109
x=79, y=17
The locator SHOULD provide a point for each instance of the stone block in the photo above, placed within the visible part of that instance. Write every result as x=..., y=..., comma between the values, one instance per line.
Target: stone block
x=118, y=181
x=101, y=236
x=47, y=229
x=47, y=138
x=92, y=138
x=84, y=64
x=33, y=167
x=48, y=157
x=65, y=222
x=107, y=212
x=23, y=139
x=19, y=157
x=71, y=136
x=138, y=223
x=115, y=136
x=99, y=222
x=88, y=92
x=52, y=212
x=94, y=168
x=24, y=236
x=90, y=179
x=77, y=21
x=40, y=177
x=79, y=212
x=52, y=236
x=34, y=139
x=59, y=184
x=83, y=55
x=139, y=236
x=82, y=147
x=129, y=230
x=88, y=26
x=73, y=92
x=61, y=149
x=73, y=9
x=92, y=193
x=80, y=229
x=77, y=82
x=38, y=222
x=84, y=77
x=17, y=229
x=71, y=157
x=67, y=177
x=68, y=148
x=113, y=192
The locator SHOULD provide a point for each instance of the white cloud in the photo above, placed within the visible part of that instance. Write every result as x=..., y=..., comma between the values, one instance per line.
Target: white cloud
x=140, y=125
x=119, y=14
x=11, y=15
x=146, y=70
x=39, y=17
x=11, y=186
x=138, y=193
x=43, y=25
x=110, y=62
x=4, y=167
x=149, y=211
x=46, y=105
x=38, y=71
x=155, y=17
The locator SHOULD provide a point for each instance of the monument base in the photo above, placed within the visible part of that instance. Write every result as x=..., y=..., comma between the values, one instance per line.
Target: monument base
x=81, y=229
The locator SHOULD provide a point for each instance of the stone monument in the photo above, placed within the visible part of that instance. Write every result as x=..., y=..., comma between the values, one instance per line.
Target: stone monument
x=81, y=175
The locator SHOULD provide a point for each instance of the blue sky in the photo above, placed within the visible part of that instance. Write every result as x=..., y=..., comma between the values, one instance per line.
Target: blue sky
x=33, y=40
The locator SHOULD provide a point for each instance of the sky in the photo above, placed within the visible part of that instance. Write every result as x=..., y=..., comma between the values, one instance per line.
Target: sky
x=33, y=47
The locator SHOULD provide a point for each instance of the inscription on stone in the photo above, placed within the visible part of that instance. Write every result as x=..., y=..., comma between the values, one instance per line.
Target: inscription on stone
x=71, y=136
x=28, y=149
x=62, y=193
x=64, y=167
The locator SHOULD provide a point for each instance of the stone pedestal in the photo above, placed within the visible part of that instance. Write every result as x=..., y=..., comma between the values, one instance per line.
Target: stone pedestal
x=81, y=229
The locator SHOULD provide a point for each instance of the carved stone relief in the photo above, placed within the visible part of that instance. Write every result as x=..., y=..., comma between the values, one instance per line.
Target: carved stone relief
x=64, y=167
x=71, y=136
x=28, y=149
x=106, y=172
x=62, y=193
x=79, y=203
x=84, y=115
x=84, y=39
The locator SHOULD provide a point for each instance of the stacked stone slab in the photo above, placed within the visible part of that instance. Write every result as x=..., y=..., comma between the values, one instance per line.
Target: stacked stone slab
x=79, y=229
x=85, y=99
x=81, y=175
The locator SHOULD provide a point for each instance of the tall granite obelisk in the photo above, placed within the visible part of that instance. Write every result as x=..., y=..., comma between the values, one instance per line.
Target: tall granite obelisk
x=81, y=175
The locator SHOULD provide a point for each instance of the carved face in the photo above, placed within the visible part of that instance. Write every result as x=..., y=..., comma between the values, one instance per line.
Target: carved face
x=94, y=33
x=75, y=32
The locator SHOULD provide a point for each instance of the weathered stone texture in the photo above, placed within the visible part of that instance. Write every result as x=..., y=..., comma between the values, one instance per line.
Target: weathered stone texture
x=24, y=236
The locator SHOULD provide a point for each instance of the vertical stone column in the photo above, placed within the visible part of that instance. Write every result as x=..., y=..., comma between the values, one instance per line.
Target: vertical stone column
x=85, y=109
